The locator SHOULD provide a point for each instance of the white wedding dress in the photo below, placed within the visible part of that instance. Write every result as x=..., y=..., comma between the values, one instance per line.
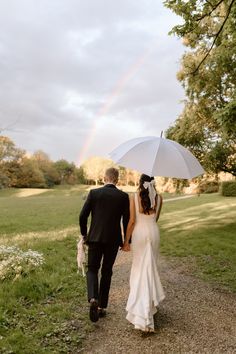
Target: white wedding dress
x=146, y=291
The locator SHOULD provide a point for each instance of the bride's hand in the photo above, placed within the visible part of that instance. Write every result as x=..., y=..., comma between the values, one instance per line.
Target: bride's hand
x=126, y=247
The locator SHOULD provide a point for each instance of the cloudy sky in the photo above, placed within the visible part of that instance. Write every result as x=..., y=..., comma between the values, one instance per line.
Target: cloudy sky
x=79, y=77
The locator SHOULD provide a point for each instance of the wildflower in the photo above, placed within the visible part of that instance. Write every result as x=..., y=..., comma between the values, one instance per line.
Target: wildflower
x=14, y=262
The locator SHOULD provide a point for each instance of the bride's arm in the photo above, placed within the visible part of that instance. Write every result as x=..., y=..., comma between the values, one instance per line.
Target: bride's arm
x=131, y=223
x=159, y=210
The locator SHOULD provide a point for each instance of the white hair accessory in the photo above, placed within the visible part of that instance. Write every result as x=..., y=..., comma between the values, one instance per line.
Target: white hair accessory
x=151, y=191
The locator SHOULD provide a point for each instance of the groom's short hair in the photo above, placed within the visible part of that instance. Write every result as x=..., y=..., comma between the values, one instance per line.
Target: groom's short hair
x=112, y=174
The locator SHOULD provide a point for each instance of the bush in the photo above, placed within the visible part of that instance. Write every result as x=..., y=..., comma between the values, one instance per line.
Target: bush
x=208, y=187
x=228, y=188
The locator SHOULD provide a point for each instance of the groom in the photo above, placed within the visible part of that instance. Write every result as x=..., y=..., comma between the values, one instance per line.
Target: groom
x=107, y=206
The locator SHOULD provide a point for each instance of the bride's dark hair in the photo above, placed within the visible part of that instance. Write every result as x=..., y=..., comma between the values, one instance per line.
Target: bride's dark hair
x=143, y=192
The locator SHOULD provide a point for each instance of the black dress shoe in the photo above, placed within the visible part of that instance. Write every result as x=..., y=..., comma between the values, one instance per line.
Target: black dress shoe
x=93, y=311
x=101, y=313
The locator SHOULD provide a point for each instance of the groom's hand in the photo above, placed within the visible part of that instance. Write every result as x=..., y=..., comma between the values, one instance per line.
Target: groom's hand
x=85, y=240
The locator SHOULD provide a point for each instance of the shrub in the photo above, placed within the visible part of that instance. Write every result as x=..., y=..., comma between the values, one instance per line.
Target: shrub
x=208, y=187
x=228, y=188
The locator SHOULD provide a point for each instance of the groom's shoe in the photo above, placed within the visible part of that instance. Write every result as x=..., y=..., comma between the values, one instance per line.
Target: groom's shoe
x=101, y=313
x=93, y=311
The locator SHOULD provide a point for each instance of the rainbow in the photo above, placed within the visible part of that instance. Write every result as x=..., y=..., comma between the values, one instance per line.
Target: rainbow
x=118, y=88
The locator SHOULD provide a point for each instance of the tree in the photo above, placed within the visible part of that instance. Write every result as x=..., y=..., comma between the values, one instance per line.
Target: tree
x=10, y=157
x=95, y=167
x=132, y=177
x=29, y=175
x=208, y=73
x=80, y=175
x=8, y=150
x=122, y=175
x=66, y=171
x=46, y=166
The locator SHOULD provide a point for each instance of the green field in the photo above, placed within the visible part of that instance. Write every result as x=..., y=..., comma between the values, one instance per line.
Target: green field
x=46, y=311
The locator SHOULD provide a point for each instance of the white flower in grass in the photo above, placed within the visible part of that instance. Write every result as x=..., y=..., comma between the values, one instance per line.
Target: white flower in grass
x=15, y=262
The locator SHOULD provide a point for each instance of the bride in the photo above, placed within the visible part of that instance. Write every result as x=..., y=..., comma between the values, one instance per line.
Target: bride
x=146, y=291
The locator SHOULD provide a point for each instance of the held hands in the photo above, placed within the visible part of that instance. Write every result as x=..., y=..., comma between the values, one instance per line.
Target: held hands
x=85, y=241
x=125, y=247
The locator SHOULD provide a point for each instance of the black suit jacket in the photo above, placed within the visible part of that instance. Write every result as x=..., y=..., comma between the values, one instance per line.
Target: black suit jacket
x=107, y=205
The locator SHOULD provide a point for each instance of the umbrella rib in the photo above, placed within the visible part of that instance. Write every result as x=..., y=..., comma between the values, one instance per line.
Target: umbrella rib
x=155, y=156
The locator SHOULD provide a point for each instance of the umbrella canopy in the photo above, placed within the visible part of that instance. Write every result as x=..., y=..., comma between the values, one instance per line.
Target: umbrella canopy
x=156, y=156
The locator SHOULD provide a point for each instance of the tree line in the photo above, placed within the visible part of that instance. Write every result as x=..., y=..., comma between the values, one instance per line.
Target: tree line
x=19, y=170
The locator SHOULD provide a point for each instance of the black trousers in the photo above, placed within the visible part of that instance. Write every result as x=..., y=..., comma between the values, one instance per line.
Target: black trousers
x=97, y=253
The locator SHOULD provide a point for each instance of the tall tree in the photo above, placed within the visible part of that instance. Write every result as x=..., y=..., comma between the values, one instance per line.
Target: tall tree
x=10, y=157
x=28, y=175
x=46, y=166
x=95, y=167
x=80, y=176
x=66, y=171
x=207, y=124
x=8, y=150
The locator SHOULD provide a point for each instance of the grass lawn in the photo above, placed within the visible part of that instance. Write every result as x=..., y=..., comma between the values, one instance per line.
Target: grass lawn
x=46, y=312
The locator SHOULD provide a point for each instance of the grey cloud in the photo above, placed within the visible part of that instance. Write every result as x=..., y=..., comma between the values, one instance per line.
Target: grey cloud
x=60, y=61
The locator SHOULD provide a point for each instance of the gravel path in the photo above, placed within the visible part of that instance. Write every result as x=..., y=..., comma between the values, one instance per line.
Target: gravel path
x=194, y=317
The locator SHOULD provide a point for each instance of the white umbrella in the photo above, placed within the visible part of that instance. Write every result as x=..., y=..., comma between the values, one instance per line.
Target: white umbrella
x=157, y=156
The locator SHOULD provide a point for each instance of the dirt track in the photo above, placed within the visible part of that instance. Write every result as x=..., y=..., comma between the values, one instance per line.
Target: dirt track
x=194, y=317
